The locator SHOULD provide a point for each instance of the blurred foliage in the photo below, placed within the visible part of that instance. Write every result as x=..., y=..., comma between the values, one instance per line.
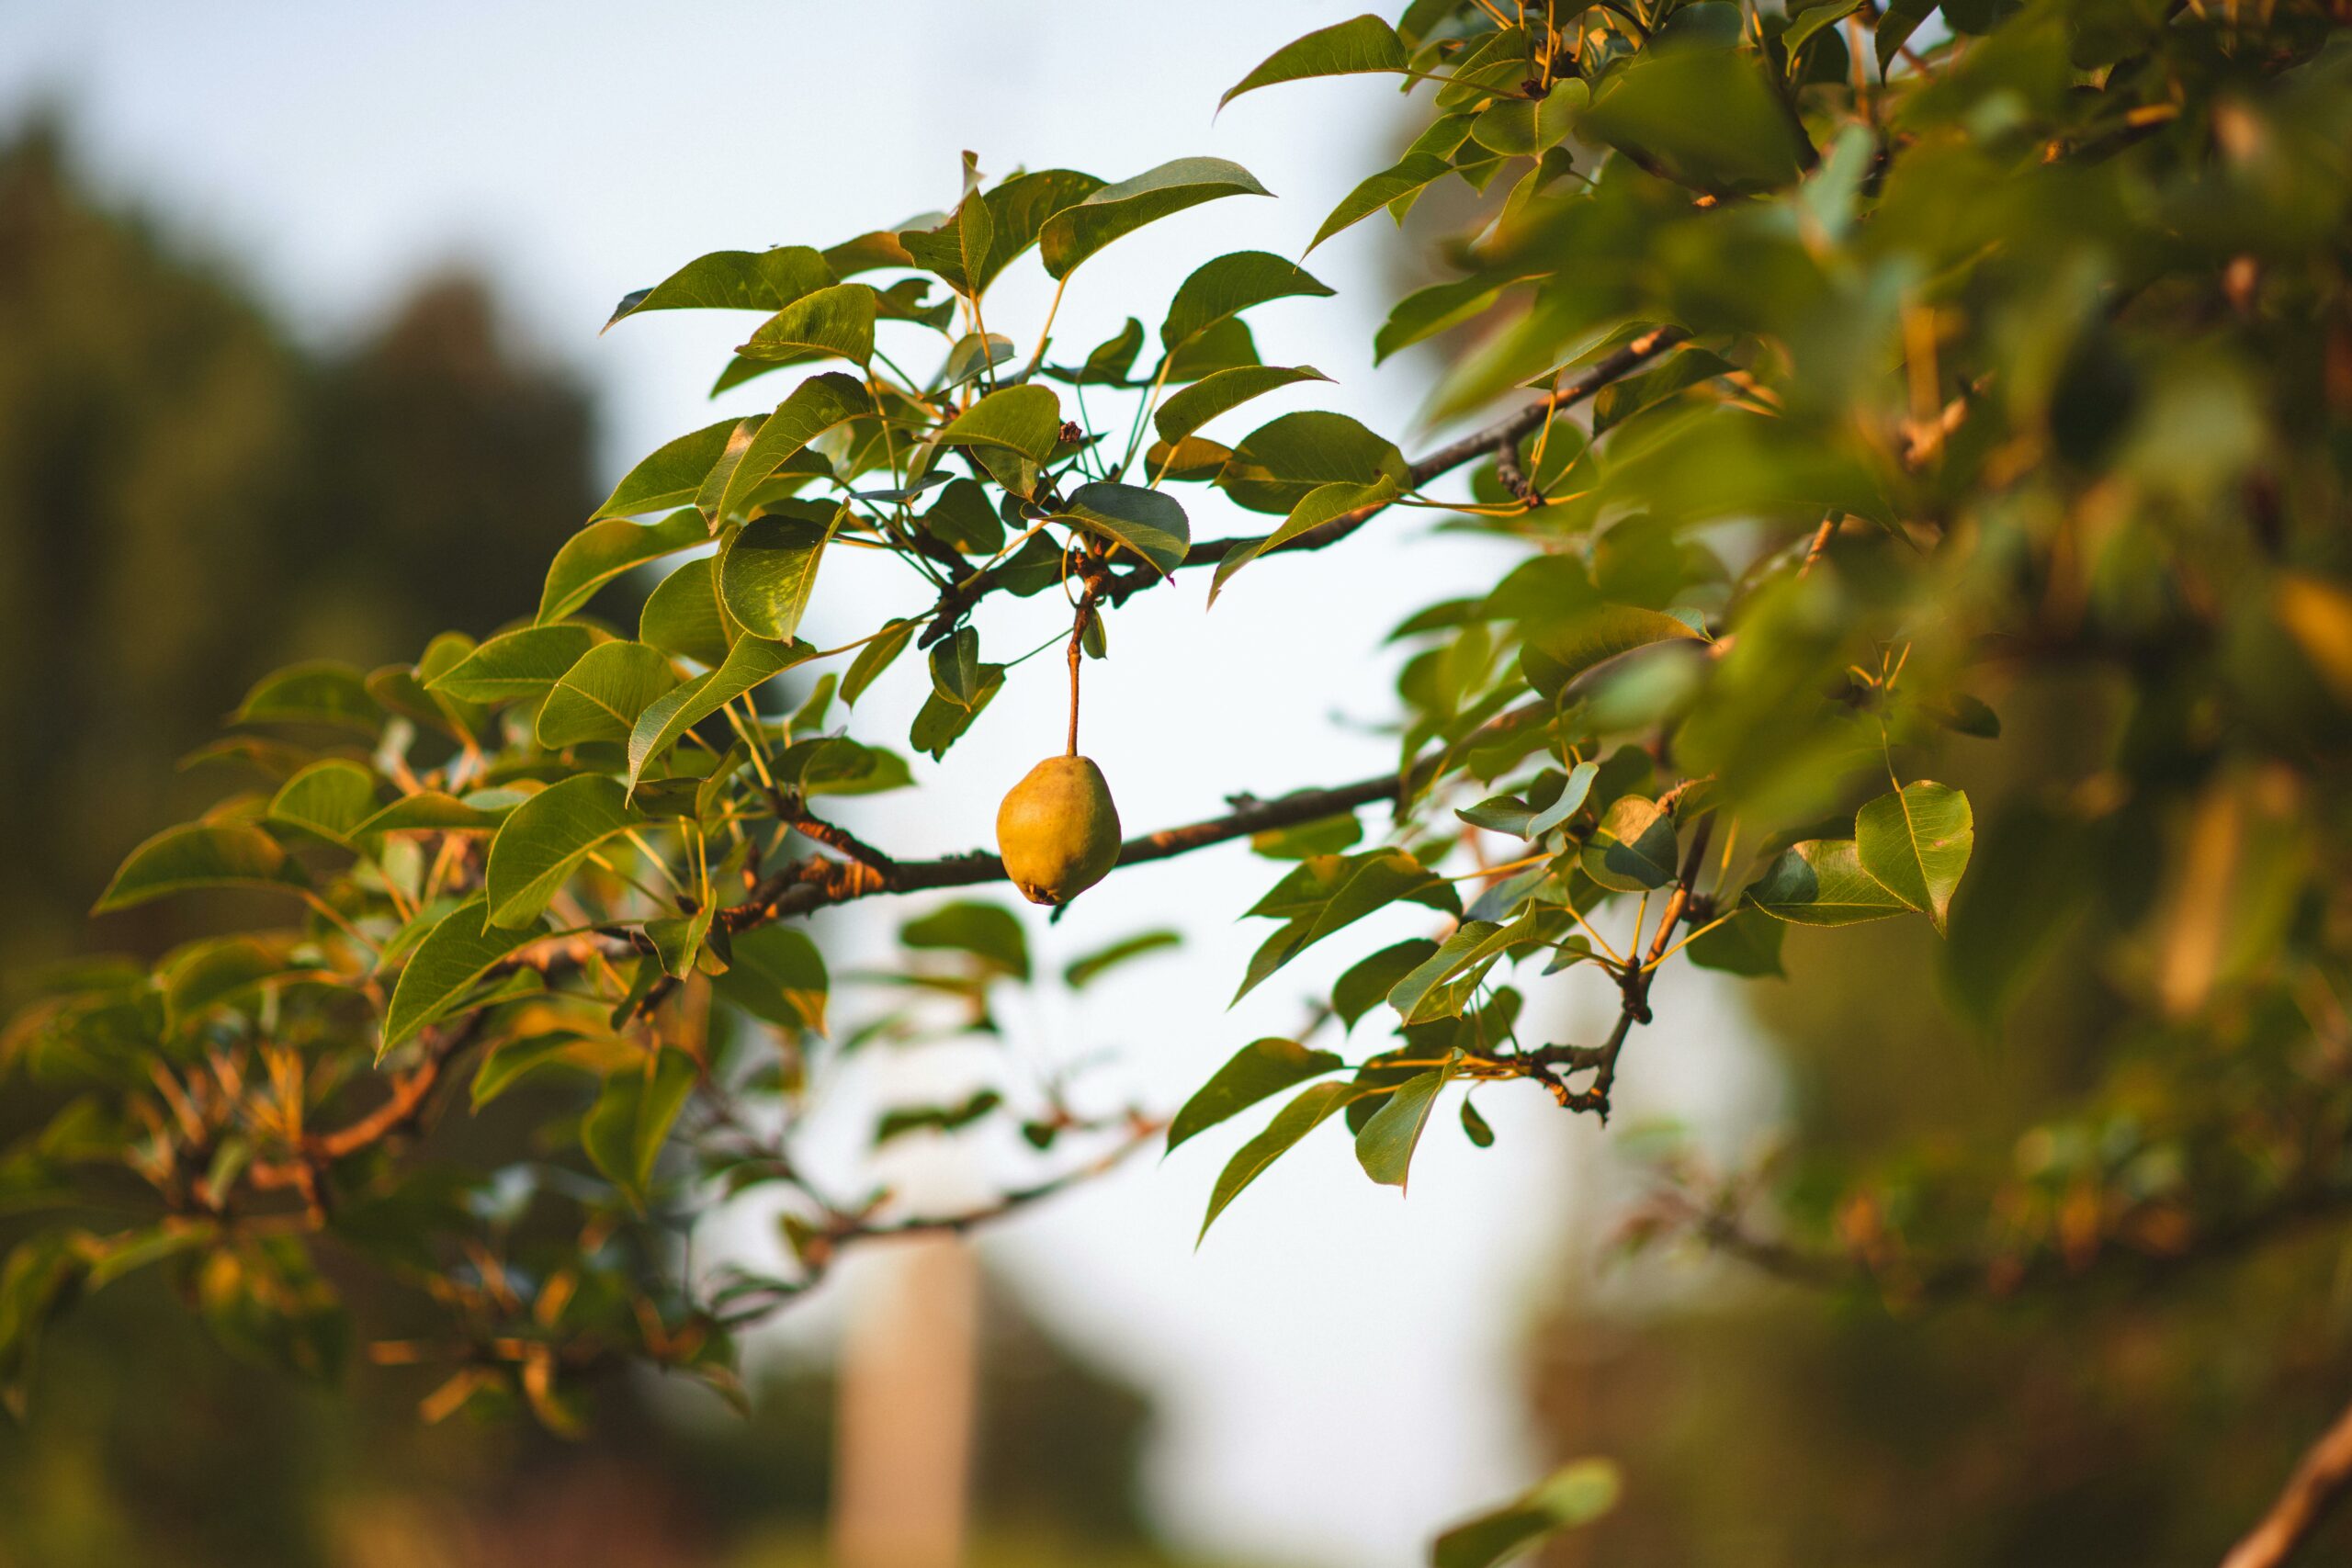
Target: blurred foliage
x=187, y=496
x=1846, y=374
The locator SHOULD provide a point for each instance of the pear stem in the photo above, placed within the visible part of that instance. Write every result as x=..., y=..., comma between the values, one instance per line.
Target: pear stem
x=1077, y=636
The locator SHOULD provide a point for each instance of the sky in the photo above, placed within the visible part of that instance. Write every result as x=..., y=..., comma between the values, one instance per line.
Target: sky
x=1337, y=1368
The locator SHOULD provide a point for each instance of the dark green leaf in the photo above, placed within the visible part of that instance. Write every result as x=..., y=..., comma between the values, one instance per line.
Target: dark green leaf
x=1292, y=1122
x=1229, y=285
x=1261, y=1068
x=1390, y=186
x=814, y=407
x=1277, y=464
x=777, y=974
x=1147, y=522
x=545, y=839
x=1026, y=419
x=767, y=570
x=1384, y=1148
x=1633, y=849
x=733, y=280
x=456, y=951
x=1076, y=232
x=630, y=1121
x=1822, y=883
x=1214, y=394
x=1365, y=43
x=201, y=854
x=602, y=551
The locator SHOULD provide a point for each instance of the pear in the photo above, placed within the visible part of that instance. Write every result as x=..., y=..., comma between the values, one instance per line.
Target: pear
x=1058, y=831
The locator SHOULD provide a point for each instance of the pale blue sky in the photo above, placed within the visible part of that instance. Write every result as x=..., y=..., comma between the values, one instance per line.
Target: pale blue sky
x=1338, y=1367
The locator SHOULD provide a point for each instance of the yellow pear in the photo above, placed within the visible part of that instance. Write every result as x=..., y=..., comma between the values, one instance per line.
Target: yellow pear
x=1058, y=831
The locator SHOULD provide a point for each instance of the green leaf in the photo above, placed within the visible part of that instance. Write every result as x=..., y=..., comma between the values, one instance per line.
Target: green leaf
x=1430, y=991
x=1026, y=419
x=1573, y=1495
x=626, y=1127
x=431, y=810
x=1708, y=117
x=510, y=1061
x=1372, y=883
x=1367, y=985
x=1633, y=849
x=767, y=570
x=875, y=657
x=1076, y=232
x=940, y=722
x=1822, y=883
x=201, y=854
x=545, y=839
x=1520, y=128
x=323, y=691
x=681, y=615
x=1020, y=206
x=204, y=974
x=732, y=280
x=1556, y=653
x=670, y=476
x=1474, y=1125
x=1384, y=1148
x=752, y=662
x=1083, y=971
x=330, y=798
x=955, y=668
x=1112, y=359
x=1292, y=1122
x=971, y=356
x=1894, y=29
x=1229, y=285
x=777, y=974
x=451, y=958
x=1324, y=504
x=1277, y=464
x=1147, y=522
x=831, y=324
x=1365, y=43
x=602, y=551
x=518, y=664
x=1746, y=944
x=813, y=407
x=600, y=697
x=1214, y=394
x=1426, y=312
x=958, y=249
x=1261, y=1068
x=990, y=933
x=1408, y=176
x=1916, y=842
x=898, y=1123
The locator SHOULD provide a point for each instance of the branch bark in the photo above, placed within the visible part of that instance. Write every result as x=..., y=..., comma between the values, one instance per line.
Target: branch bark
x=2319, y=1481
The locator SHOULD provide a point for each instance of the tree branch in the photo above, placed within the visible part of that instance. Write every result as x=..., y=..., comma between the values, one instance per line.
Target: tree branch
x=957, y=602
x=2319, y=1480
